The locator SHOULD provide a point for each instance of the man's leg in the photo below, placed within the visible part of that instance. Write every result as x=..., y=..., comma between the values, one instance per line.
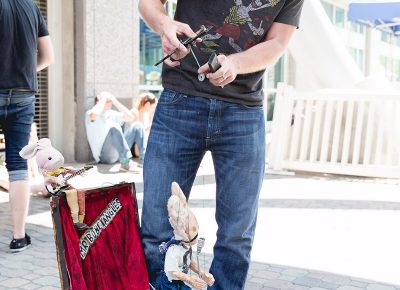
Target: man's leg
x=115, y=147
x=134, y=134
x=175, y=148
x=239, y=159
x=17, y=127
x=19, y=202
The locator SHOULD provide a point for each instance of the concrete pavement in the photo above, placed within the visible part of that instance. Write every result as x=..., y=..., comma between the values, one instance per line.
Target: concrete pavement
x=313, y=232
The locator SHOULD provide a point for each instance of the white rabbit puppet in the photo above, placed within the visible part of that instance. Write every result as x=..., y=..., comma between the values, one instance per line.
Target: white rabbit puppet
x=50, y=162
x=178, y=257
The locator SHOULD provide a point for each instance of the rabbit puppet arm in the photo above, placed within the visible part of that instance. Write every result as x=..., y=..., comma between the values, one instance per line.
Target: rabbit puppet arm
x=193, y=281
x=61, y=170
x=205, y=276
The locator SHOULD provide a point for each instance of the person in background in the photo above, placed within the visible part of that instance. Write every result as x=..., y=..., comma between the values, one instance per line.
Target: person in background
x=109, y=138
x=144, y=111
x=26, y=48
x=219, y=111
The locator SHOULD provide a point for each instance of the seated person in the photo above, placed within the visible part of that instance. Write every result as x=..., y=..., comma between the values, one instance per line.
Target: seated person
x=144, y=110
x=104, y=128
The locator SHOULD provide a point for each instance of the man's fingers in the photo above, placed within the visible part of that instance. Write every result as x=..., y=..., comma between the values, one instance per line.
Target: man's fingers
x=186, y=30
x=170, y=45
x=226, y=81
x=222, y=82
x=203, y=69
x=219, y=76
x=172, y=63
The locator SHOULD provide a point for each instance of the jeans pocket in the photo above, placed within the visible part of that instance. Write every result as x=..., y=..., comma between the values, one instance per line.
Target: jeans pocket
x=169, y=97
x=23, y=101
x=242, y=107
x=25, y=111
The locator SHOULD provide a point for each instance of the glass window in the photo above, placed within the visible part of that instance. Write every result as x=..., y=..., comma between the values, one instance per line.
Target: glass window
x=328, y=9
x=358, y=56
x=392, y=67
x=386, y=36
x=275, y=75
x=357, y=27
x=150, y=53
x=339, y=17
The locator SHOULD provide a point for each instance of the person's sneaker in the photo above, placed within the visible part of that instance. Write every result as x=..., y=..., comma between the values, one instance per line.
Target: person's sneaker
x=128, y=166
x=18, y=245
x=138, y=162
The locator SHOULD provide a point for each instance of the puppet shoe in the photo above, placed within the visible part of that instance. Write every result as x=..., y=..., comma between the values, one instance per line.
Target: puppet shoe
x=18, y=245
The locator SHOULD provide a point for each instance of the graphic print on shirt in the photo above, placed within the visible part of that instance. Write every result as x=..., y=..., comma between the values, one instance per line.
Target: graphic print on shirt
x=241, y=21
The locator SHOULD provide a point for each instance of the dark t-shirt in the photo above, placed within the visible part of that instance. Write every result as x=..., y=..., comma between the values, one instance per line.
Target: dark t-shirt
x=237, y=26
x=21, y=24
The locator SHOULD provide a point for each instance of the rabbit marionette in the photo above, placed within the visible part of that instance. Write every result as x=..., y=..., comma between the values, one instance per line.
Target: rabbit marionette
x=50, y=162
x=178, y=257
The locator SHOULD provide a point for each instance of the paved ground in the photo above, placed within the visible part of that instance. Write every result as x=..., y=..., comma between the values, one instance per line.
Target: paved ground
x=313, y=232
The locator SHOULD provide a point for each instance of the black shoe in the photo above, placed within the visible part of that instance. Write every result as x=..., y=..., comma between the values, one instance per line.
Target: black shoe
x=18, y=245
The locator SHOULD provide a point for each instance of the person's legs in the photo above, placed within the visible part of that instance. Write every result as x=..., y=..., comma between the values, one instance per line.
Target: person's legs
x=19, y=202
x=115, y=147
x=175, y=148
x=239, y=159
x=17, y=123
x=134, y=134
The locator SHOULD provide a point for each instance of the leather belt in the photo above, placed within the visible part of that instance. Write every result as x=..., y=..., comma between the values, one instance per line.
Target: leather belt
x=10, y=91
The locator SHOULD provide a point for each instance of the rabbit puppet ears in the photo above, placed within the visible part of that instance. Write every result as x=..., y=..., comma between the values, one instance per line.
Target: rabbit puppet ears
x=30, y=150
x=181, y=218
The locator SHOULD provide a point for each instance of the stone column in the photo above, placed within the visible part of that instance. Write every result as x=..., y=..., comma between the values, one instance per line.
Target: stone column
x=61, y=78
x=107, y=57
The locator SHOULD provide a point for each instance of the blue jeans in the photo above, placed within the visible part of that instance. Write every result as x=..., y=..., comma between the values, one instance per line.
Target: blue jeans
x=16, y=117
x=184, y=128
x=118, y=143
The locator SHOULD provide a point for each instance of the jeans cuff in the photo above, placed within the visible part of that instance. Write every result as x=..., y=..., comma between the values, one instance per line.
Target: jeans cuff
x=18, y=175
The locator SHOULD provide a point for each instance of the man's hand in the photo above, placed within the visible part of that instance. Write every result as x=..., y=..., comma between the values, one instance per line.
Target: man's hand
x=226, y=74
x=169, y=38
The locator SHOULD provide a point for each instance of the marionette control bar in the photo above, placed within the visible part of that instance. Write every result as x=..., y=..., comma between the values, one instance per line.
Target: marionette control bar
x=203, y=30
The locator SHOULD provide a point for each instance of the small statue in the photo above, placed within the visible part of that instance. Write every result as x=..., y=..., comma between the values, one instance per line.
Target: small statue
x=178, y=257
x=50, y=162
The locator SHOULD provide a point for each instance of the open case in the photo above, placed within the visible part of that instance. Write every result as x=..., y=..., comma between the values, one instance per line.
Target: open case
x=108, y=255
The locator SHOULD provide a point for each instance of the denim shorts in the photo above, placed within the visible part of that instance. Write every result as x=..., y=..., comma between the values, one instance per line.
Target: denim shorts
x=16, y=117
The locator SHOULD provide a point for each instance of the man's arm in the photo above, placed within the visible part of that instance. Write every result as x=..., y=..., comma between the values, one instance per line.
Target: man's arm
x=128, y=116
x=256, y=58
x=45, y=55
x=156, y=18
x=97, y=109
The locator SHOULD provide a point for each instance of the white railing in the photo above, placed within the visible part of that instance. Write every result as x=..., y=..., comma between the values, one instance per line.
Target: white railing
x=351, y=133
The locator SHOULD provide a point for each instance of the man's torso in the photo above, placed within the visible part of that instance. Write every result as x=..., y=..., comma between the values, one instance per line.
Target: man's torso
x=237, y=26
x=20, y=26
